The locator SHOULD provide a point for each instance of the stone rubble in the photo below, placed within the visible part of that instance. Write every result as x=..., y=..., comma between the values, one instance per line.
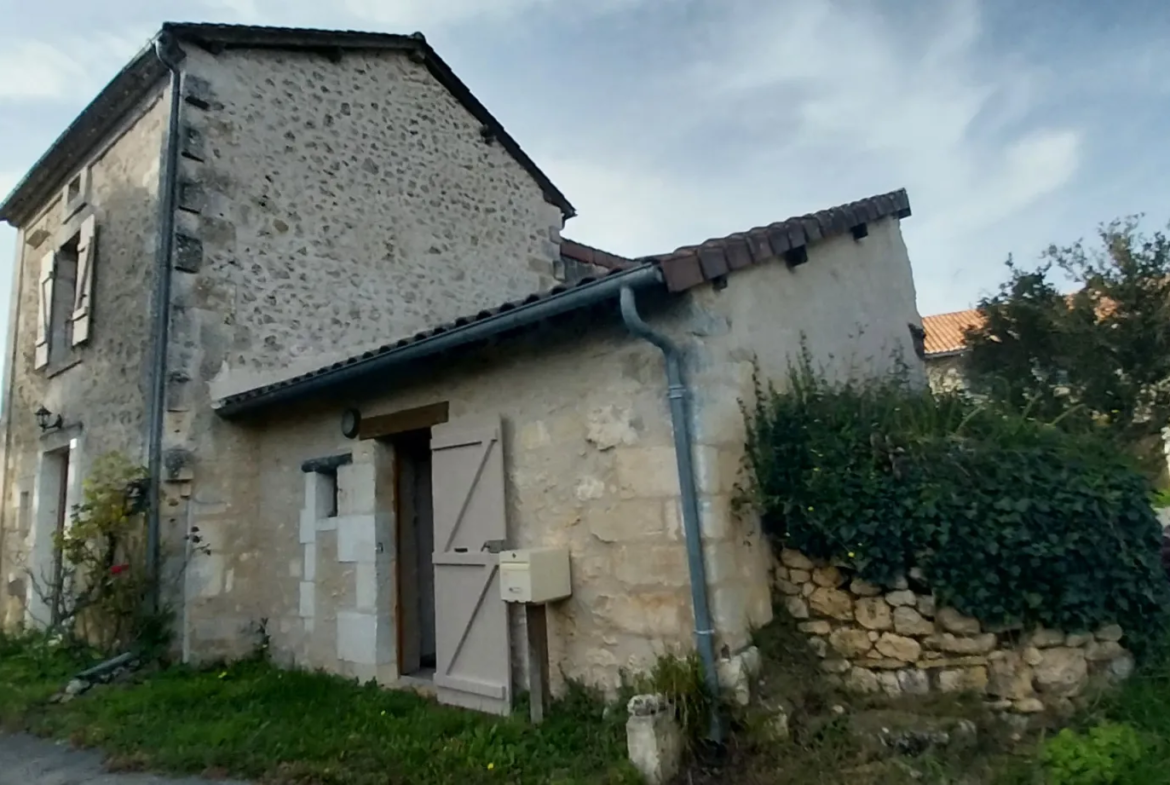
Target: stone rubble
x=894, y=640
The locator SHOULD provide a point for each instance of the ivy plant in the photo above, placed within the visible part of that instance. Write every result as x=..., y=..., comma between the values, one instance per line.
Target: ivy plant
x=1011, y=520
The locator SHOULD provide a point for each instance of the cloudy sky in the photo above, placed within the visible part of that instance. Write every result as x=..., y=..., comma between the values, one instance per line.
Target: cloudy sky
x=1012, y=124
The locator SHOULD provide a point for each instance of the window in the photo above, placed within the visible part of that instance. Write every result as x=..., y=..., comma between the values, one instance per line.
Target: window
x=76, y=194
x=66, y=289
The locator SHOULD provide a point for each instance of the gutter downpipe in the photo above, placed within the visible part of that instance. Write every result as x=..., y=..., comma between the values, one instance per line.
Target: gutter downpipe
x=165, y=49
x=678, y=394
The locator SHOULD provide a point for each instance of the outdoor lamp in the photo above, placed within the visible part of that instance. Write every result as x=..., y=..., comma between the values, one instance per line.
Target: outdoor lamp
x=47, y=420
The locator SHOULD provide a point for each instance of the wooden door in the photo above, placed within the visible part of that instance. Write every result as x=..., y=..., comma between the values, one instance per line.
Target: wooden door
x=473, y=653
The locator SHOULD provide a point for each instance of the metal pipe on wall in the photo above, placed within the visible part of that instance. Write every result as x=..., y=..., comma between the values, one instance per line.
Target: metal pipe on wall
x=681, y=425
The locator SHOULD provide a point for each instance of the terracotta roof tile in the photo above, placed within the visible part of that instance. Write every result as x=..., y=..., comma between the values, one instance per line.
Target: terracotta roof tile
x=945, y=331
x=587, y=254
x=696, y=264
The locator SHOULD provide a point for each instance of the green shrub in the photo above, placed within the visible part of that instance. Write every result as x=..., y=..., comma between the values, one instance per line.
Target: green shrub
x=1105, y=755
x=1010, y=520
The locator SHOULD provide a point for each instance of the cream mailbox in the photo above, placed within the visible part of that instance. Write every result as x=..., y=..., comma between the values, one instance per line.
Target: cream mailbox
x=535, y=575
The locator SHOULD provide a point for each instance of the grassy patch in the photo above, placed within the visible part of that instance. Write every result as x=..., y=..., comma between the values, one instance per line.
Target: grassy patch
x=254, y=721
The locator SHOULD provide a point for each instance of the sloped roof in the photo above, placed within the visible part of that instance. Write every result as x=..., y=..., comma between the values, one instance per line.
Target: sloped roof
x=141, y=74
x=945, y=331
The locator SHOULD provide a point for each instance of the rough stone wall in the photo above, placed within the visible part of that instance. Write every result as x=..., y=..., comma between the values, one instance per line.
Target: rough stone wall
x=590, y=459
x=325, y=207
x=894, y=639
x=945, y=373
x=102, y=397
x=851, y=305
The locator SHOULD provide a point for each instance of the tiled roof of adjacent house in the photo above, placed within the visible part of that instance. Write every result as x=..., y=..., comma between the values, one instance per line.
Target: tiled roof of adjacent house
x=127, y=88
x=945, y=331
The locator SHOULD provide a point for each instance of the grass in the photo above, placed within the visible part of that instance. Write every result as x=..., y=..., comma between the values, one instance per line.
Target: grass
x=254, y=721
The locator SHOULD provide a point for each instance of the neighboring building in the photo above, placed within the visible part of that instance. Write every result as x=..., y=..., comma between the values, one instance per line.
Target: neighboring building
x=945, y=344
x=383, y=365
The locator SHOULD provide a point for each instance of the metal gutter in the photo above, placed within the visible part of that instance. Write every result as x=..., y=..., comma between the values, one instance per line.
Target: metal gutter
x=522, y=315
x=169, y=55
x=683, y=443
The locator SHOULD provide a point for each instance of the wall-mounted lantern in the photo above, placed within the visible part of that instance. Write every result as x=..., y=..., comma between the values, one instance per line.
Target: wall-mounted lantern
x=47, y=420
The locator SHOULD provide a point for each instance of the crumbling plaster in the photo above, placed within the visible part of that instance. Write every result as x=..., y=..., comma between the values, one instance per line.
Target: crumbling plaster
x=102, y=397
x=589, y=455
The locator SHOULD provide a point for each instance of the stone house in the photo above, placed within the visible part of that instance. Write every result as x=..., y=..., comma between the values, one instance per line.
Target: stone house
x=323, y=295
x=944, y=344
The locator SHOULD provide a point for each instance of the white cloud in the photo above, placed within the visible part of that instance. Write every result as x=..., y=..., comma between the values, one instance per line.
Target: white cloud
x=68, y=69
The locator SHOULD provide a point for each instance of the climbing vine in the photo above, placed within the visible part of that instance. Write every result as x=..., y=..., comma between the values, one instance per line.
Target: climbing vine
x=1010, y=520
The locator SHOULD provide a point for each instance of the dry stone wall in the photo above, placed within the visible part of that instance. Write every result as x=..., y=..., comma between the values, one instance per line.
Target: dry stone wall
x=894, y=639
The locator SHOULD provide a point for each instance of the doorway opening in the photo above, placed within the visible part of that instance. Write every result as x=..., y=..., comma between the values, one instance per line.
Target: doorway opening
x=53, y=521
x=415, y=546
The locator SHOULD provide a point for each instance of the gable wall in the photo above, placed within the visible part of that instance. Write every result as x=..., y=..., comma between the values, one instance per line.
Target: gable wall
x=102, y=397
x=336, y=206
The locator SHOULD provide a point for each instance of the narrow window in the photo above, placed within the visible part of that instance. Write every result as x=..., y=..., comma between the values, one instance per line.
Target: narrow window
x=64, y=297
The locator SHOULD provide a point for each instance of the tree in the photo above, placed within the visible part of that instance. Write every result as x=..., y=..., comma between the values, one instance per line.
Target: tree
x=1096, y=359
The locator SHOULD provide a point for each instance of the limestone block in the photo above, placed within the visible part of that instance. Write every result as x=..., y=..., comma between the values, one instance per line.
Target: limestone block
x=1122, y=667
x=653, y=614
x=902, y=598
x=364, y=638
x=926, y=605
x=309, y=571
x=205, y=575
x=898, y=647
x=795, y=560
x=1061, y=672
x=953, y=621
x=608, y=426
x=734, y=679
x=780, y=573
x=752, y=661
x=1110, y=632
x=874, y=614
x=356, y=489
x=819, y=646
x=797, y=607
x=1075, y=640
x=914, y=681
x=308, y=527
x=1043, y=639
x=308, y=595
x=366, y=586
x=1032, y=655
x=1028, y=706
x=589, y=488
x=908, y=621
x=653, y=565
x=654, y=740
x=799, y=576
x=626, y=521
x=963, y=680
x=806, y=589
x=722, y=560
x=849, y=642
x=729, y=608
x=785, y=587
x=646, y=472
x=1102, y=651
x=819, y=627
x=356, y=538
x=1009, y=677
x=954, y=644
x=864, y=588
x=862, y=680
x=828, y=576
x=831, y=602
x=835, y=665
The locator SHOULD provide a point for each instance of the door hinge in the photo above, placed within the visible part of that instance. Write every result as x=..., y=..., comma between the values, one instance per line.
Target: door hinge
x=493, y=546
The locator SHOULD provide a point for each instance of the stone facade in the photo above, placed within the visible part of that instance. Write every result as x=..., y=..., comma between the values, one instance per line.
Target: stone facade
x=590, y=464
x=336, y=205
x=101, y=390
x=893, y=639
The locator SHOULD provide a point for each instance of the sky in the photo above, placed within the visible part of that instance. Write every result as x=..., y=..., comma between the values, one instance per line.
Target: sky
x=666, y=122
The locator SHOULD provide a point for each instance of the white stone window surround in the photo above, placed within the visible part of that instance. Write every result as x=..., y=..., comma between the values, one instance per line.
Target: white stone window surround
x=46, y=499
x=75, y=194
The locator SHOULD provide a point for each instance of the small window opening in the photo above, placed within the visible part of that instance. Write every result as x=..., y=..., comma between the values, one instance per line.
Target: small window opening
x=73, y=191
x=64, y=296
x=330, y=476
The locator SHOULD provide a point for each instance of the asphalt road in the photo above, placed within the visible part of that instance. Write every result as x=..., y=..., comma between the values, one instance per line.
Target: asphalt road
x=28, y=761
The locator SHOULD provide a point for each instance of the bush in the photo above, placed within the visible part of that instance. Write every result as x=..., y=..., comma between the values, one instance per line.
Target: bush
x=1104, y=755
x=1010, y=520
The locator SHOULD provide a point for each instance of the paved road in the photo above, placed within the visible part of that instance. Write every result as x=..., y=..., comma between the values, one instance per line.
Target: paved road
x=28, y=761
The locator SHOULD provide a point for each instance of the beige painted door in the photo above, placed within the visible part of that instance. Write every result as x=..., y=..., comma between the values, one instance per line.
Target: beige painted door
x=472, y=654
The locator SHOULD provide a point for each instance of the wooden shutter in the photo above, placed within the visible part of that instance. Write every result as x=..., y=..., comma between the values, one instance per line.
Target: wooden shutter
x=86, y=253
x=473, y=653
x=45, y=308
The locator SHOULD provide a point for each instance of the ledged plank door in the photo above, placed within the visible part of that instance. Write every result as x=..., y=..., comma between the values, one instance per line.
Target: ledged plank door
x=473, y=667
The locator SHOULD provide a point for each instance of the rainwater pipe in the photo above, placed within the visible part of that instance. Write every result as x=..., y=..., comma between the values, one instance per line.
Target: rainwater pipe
x=169, y=55
x=681, y=425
